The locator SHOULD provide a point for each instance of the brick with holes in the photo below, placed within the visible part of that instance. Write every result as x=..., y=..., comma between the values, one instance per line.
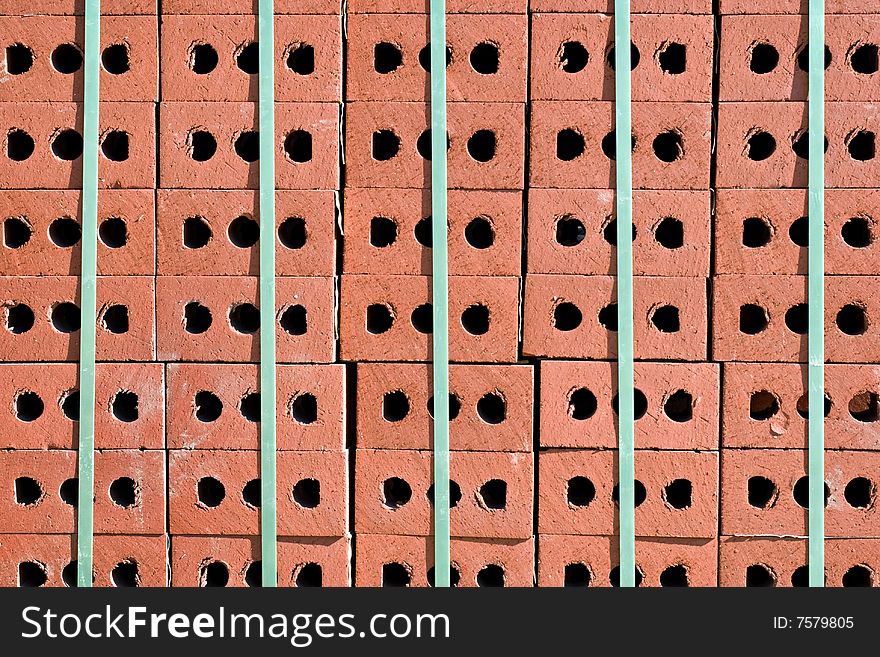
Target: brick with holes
x=572, y=145
x=572, y=56
x=676, y=405
x=573, y=561
x=41, y=492
x=42, y=318
x=41, y=401
x=201, y=320
x=216, y=145
x=491, y=406
x=216, y=233
x=676, y=493
x=394, y=561
x=453, y=7
x=388, y=59
x=637, y=7
x=217, y=492
x=765, y=492
x=795, y=7
x=388, y=318
x=235, y=561
x=388, y=231
x=42, y=230
x=218, y=407
x=43, y=145
x=77, y=7
x=573, y=231
x=386, y=145
x=764, y=318
x=207, y=7
x=215, y=58
x=50, y=560
x=576, y=317
x=490, y=493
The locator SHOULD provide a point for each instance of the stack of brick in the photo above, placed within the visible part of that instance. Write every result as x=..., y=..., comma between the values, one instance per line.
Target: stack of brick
x=386, y=312
x=760, y=294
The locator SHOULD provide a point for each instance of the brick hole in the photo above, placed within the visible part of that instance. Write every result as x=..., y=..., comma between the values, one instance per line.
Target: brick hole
x=208, y=406
x=308, y=575
x=639, y=493
x=115, y=319
x=425, y=57
x=672, y=58
x=298, y=146
x=760, y=145
x=307, y=493
x=395, y=406
x=796, y=319
x=800, y=144
x=28, y=491
x=668, y=146
x=570, y=144
x=454, y=406
x=28, y=406
x=570, y=231
x=614, y=576
x=70, y=405
x=859, y=493
x=454, y=494
x=385, y=145
x=567, y=316
x=196, y=233
x=243, y=232
x=492, y=408
x=678, y=494
x=64, y=232
x=380, y=318
x=454, y=576
x=493, y=494
x=249, y=407
x=763, y=405
x=395, y=575
x=387, y=58
x=16, y=232
x=582, y=404
x=304, y=408
x=124, y=492
x=862, y=145
x=196, y=318
x=214, y=574
x=675, y=575
x=857, y=233
x=19, y=318
x=491, y=575
x=640, y=404
x=423, y=233
x=609, y=145
x=863, y=58
x=202, y=58
x=801, y=492
x=858, y=575
x=301, y=58
x=125, y=574
x=475, y=319
x=244, y=318
x=609, y=232
x=763, y=58
x=608, y=317
x=201, y=145
x=383, y=232
x=424, y=146
x=19, y=59
x=572, y=57
x=852, y=320
x=666, y=319
x=422, y=318
x=247, y=145
x=759, y=574
x=253, y=576
x=756, y=232
x=66, y=317
x=803, y=58
x=479, y=233
x=125, y=406
x=580, y=491
x=576, y=574
x=865, y=407
x=803, y=403
x=634, y=55
x=752, y=319
x=251, y=494
x=32, y=574
x=115, y=146
x=484, y=58
x=247, y=58
x=67, y=145
x=115, y=59
x=294, y=320
x=69, y=575
x=800, y=577
x=669, y=233
x=292, y=232
x=798, y=232
x=113, y=232
x=19, y=145
x=67, y=58
x=210, y=492
x=395, y=493
x=679, y=406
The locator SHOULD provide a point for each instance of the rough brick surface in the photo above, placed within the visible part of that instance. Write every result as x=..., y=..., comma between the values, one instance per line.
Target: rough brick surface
x=423, y=7
x=205, y=7
x=795, y=7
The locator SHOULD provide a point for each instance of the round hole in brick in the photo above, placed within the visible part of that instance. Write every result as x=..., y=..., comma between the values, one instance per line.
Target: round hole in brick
x=756, y=232
x=493, y=494
x=640, y=404
x=678, y=494
x=857, y=233
x=675, y=575
x=800, y=577
x=425, y=57
x=423, y=233
x=243, y=232
x=383, y=232
x=115, y=59
x=454, y=406
x=19, y=145
x=570, y=144
x=859, y=493
x=304, y=408
x=385, y=145
x=196, y=233
x=301, y=59
x=796, y=319
x=858, y=575
x=214, y=574
x=249, y=407
x=65, y=232
x=396, y=493
x=247, y=145
x=387, y=57
x=679, y=406
x=125, y=575
x=244, y=318
x=115, y=146
x=491, y=408
x=609, y=145
x=196, y=318
x=668, y=146
x=125, y=406
x=801, y=492
x=672, y=58
x=454, y=576
x=864, y=59
x=67, y=58
x=803, y=58
x=115, y=319
x=479, y=233
x=454, y=494
x=634, y=57
x=798, y=232
x=251, y=493
x=576, y=574
x=298, y=146
x=380, y=318
x=67, y=145
x=201, y=145
x=803, y=406
x=609, y=232
x=307, y=493
x=425, y=147
x=752, y=319
x=69, y=575
x=490, y=576
x=573, y=57
x=31, y=574
x=570, y=231
x=27, y=491
x=113, y=232
x=19, y=318
x=123, y=492
x=614, y=576
x=580, y=491
x=760, y=145
x=852, y=320
x=28, y=406
x=70, y=405
x=294, y=320
x=210, y=492
x=865, y=407
x=203, y=58
x=639, y=493
x=422, y=318
x=248, y=58
x=66, y=317
x=292, y=232
x=862, y=145
x=309, y=575
x=395, y=575
x=484, y=58
x=582, y=404
x=253, y=576
x=759, y=574
x=208, y=406
x=666, y=319
x=763, y=405
x=669, y=233
x=567, y=316
x=801, y=145
x=395, y=406
x=763, y=58
x=69, y=492
x=16, y=232
x=19, y=59
x=475, y=319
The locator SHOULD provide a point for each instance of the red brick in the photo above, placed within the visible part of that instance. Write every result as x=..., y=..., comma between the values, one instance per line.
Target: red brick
x=422, y=7
x=51, y=558
x=767, y=300
x=637, y=7
x=310, y=410
x=77, y=7
x=495, y=405
x=679, y=406
x=561, y=317
x=249, y=7
x=177, y=339
x=561, y=71
x=305, y=221
x=569, y=232
x=45, y=332
x=192, y=556
x=468, y=123
x=484, y=238
x=680, y=493
x=488, y=305
x=741, y=136
x=126, y=248
x=392, y=490
x=41, y=398
x=317, y=507
x=795, y=7
x=44, y=123
x=579, y=129
x=370, y=76
x=227, y=36
x=473, y=562
x=771, y=509
x=129, y=492
x=316, y=167
x=659, y=561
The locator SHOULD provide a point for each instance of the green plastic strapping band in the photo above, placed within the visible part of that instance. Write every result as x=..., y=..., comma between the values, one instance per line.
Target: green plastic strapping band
x=268, y=515
x=625, y=441
x=88, y=304
x=440, y=293
x=816, y=295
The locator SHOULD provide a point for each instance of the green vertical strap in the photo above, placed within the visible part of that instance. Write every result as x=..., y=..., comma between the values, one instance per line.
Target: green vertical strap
x=816, y=294
x=268, y=516
x=623, y=130
x=88, y=304
x=440, y=293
